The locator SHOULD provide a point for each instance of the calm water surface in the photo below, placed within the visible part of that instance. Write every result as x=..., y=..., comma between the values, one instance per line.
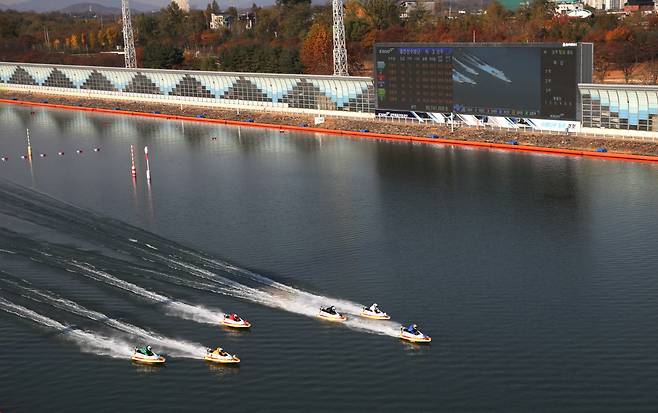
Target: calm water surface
x=537, y=276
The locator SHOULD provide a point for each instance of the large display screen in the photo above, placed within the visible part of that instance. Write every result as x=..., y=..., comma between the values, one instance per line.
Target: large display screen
x=520, y=80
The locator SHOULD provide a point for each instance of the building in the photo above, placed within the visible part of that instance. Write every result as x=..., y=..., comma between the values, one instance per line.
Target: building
x=571, y=8
x=220, y=21
x=406, y=7
x=247, y=19
x=630, y=107
x=607, y=5
x=639, y=6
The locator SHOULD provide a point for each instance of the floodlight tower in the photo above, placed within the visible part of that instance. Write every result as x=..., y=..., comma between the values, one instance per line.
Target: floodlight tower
x=128, y=39
x=340, y=52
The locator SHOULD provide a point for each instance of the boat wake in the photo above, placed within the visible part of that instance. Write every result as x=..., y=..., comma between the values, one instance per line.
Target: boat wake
x=88, y=342
x=174, y=347
x=150, y=255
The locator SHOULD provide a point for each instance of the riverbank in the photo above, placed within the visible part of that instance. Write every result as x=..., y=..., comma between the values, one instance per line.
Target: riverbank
x=527, y=141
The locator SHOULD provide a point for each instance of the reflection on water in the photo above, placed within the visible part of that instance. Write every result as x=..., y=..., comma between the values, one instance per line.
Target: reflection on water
x=145, y=369
x=223, y=369
x=535, y=275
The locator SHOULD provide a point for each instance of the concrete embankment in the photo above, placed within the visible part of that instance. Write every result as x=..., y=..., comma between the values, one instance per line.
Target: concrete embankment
x=529, y=142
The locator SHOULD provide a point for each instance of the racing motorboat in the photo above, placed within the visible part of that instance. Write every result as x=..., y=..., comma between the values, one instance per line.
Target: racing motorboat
x=412, y=334
x=145, y=355
x=218, y=355
x=375, y=313
x=330, y=313
x=234, y=321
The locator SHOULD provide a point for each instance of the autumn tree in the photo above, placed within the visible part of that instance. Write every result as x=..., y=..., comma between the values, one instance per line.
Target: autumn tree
x=92, y=40
x=316, y=52
x=74, y=42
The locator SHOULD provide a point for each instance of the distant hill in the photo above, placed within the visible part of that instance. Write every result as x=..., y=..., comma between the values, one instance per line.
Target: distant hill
x=59, y=5
x=90, y=8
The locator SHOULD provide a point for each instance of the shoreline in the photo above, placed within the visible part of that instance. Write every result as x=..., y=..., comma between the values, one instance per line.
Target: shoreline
x=565, y=145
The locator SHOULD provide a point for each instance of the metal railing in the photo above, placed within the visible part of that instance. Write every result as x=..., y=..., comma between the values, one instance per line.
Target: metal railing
x=609, y=134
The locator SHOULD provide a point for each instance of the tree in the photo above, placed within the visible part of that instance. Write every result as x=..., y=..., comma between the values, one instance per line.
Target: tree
x=295, y=20
x=317, y=51
x=172, y=23
x=75, y=44
x=111, y=35
x=162, y=56
x=288, y=3
x=267, y=24
x=650, y=49
x=603, y=61
x=92, y=40
x=213, y=8
x=382, y=13
x=146, y=28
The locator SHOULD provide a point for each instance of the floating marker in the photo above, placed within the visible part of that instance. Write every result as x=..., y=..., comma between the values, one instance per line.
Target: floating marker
x=97, y=149
x=79, y=151
x=23, y=156
x=5, y=159
x=29, y=146
x=60, y=153
x=43, y=155
x=148, y=168
x=133, y=170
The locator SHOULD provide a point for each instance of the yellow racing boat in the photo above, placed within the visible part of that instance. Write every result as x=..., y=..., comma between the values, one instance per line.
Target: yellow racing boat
x=145, y=355
x=375, y=313
x=330, y=314
x=413, y=335
x=218, y=355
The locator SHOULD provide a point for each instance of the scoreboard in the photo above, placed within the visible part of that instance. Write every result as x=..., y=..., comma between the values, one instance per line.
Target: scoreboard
x=521, y=80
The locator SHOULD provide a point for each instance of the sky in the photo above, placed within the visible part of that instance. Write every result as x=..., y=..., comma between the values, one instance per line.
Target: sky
x=157, y=3
x=198, y=4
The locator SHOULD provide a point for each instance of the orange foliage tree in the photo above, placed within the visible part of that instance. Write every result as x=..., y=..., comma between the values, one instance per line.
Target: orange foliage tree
x=317, y=51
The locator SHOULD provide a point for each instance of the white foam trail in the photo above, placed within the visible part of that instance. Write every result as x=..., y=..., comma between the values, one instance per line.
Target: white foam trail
x=179, y=309
x=178, y=348
x=286, y=298
x=7, y=251
x=295, y=300
x=89, y=342
x=347, y=306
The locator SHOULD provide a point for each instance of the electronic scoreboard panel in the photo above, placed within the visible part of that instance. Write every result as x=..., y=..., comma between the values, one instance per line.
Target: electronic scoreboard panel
x=521, y=80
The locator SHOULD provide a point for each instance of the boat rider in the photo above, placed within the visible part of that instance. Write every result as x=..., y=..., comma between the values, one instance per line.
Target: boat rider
x=413, y=329
x=145, y=350
x=330, y=310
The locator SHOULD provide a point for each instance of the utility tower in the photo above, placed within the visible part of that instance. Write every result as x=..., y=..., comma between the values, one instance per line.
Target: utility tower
x=128, y=39
x=340, y=52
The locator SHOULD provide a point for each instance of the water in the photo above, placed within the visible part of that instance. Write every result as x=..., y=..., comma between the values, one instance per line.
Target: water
x=534, y=274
